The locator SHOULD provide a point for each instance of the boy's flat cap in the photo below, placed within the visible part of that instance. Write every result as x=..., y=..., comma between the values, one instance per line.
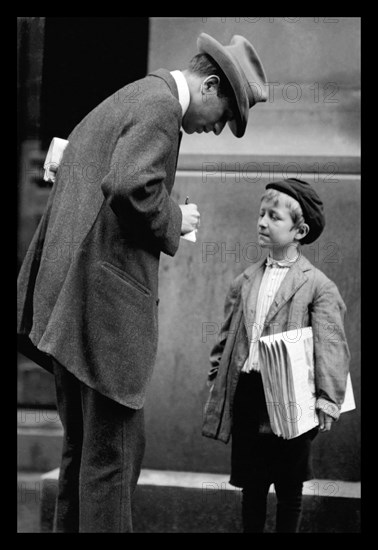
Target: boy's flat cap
x=312, y=206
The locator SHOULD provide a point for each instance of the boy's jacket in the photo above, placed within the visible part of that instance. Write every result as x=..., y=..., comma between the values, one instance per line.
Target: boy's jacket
x=306, y=297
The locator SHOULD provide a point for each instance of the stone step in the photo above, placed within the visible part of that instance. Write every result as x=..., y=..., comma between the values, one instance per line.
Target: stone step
x=35, y=386
x=167, y=501
x=28, y=502
x=185, y=502
x=39, y=440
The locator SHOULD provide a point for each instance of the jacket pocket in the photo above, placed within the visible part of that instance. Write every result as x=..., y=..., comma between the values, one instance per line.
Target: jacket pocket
x=128, y=279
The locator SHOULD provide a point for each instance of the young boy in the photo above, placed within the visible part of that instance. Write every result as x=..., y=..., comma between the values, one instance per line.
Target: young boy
x=281, y=292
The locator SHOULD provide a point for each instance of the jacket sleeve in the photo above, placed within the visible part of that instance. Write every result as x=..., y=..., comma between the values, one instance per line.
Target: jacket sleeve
x=135, y=181
x=217, y=351
x=331, y=349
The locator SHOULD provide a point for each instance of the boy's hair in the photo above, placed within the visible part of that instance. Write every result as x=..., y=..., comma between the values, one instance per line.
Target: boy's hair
x=291, y=204
x=203, y=64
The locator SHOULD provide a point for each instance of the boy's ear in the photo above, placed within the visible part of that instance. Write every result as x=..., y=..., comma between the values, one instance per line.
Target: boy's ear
x=302, y=231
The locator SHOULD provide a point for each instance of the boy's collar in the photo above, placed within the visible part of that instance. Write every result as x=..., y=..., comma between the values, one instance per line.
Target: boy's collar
x=302, y=263
x=271, y=262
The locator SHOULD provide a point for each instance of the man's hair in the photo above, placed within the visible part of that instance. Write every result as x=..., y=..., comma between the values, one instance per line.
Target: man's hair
x=291, y=204
x=204, y=65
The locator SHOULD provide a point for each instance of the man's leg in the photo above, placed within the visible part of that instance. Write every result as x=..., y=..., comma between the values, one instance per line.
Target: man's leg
x=254, y=504
x=112, y=453
x=289, y=506
x=68, y=394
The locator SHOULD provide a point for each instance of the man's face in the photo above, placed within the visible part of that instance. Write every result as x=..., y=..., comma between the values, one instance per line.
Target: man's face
x=206, y=112
x=275, y=225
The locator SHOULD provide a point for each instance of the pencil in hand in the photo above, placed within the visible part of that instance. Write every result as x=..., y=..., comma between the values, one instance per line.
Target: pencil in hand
x=192, y=235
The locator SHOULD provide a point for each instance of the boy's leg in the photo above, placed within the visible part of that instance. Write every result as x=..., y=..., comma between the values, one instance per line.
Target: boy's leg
x=68, y=394
x=289, y=505
x=254, y=502
x=249, y=467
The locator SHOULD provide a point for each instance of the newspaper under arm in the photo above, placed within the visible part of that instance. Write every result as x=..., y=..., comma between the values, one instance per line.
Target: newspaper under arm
x=53, y=158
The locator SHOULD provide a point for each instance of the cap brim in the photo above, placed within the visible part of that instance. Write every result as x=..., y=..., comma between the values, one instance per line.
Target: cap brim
x=207, y=44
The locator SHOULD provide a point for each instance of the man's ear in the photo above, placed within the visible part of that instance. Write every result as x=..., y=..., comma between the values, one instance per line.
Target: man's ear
x=210, y=85
x=302, y=231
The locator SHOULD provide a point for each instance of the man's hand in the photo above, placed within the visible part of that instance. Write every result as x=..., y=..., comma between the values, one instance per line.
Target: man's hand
x=190, y=218
x=325, y=421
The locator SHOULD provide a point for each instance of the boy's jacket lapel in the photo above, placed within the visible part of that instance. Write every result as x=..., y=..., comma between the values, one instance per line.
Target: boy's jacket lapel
x=294, y=279
x=250, y=293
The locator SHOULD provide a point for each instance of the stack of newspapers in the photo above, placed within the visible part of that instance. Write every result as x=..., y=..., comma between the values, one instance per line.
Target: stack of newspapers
x=287, y=370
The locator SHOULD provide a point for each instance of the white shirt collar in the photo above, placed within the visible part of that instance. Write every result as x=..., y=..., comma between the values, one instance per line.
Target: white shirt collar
x=183, y=90
x=270, y=262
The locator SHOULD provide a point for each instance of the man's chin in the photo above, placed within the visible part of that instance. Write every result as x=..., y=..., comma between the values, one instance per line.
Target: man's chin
x=188, y=130
x=191, y=129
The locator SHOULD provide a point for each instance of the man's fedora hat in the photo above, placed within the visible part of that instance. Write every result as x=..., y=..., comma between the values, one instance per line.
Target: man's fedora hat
x=243, y=68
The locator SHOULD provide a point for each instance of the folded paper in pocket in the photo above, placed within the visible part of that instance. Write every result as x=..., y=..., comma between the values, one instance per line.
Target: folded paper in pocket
x=53, y=158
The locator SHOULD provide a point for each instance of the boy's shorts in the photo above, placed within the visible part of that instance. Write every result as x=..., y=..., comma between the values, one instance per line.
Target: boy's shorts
x=259, y=456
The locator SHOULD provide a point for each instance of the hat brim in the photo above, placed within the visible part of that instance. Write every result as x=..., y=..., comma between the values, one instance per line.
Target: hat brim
x=207, y=44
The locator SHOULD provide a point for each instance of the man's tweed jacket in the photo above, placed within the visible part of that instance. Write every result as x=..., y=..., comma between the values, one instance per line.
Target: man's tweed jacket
x=88, y=287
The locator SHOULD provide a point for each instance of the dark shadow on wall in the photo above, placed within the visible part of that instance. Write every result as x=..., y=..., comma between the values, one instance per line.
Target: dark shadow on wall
x=86, y=59
x=65, y=67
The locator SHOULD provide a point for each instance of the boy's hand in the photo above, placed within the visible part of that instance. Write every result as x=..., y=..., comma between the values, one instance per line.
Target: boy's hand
x=325, y=421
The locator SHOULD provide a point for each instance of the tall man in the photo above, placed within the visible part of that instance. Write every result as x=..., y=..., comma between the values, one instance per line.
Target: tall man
x=88, y=287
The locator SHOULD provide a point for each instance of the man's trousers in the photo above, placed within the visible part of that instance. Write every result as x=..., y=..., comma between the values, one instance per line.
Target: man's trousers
x=103, y=448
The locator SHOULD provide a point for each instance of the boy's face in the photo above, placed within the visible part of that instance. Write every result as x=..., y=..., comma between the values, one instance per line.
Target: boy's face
x=275, y=225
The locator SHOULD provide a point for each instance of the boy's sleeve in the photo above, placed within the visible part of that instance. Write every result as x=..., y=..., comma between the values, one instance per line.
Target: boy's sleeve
x=217, y=351
x=332, y=354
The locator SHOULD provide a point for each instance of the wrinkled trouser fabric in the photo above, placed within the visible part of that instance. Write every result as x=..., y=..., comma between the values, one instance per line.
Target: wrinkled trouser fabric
x=103, y=447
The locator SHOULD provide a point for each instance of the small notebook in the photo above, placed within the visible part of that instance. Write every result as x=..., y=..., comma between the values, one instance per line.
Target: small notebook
x=192, y=236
